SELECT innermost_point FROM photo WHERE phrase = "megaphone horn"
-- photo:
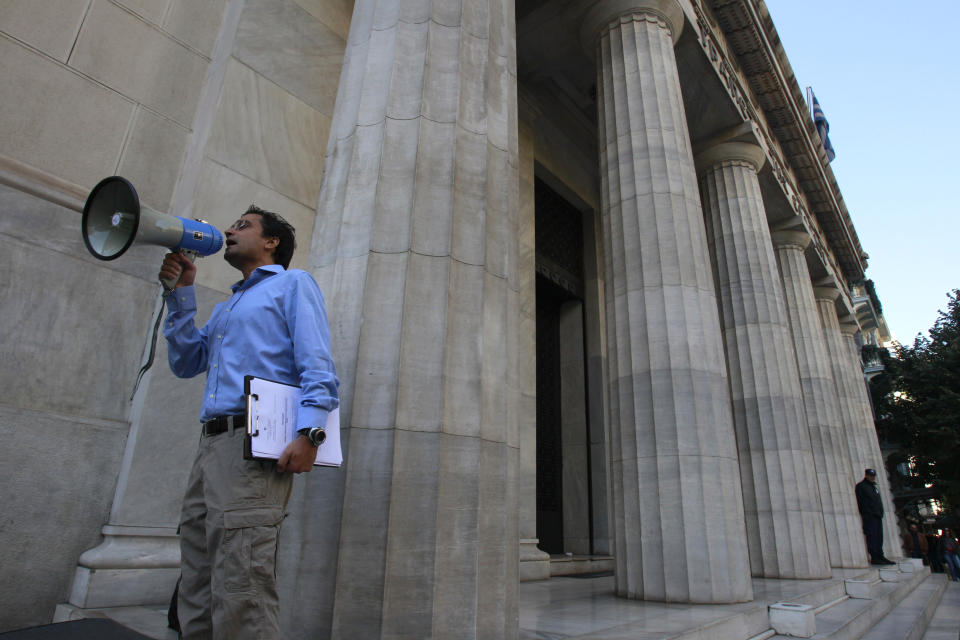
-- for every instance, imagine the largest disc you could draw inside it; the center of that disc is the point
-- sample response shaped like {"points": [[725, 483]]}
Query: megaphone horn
{"points": [[113, 221]]}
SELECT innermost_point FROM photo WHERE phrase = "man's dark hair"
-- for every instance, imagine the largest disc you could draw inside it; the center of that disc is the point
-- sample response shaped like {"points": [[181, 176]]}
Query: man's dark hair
{"points": [[274, 226]]}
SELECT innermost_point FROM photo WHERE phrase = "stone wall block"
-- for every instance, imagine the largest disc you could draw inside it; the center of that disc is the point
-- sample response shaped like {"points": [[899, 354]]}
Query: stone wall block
{"points": [[497, 221], [39, 567], [336, 14], [433, 191], [472, 105], [50, 26], [152, 158], [342, 286], [463, 399], [441, 84], [195, 23], [420, 381], [378, 358], [467, 243], [359, 202], [494, 424], [446, 12], [116, 48], [413, 11], [499, 77], [269, 135], [363, 542], [375, 94], [498, 564], [325, 245], [283, 42], [151, 11], [344, 118], [393, 213], [458, 552], [61, 122], [408, 72], [516, 349], [54, 337], [409, 596]]}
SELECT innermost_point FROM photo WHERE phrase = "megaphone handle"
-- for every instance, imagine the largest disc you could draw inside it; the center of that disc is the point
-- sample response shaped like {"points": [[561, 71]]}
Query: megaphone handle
{"points": [[170, 283]]}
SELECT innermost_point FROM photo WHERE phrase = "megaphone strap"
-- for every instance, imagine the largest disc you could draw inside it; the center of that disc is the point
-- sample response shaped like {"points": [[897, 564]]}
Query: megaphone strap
{"points": [[153, 343]]}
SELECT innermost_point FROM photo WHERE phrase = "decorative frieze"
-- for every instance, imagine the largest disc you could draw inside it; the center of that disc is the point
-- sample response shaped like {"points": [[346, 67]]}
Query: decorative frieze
{"points": [[715, 49]]}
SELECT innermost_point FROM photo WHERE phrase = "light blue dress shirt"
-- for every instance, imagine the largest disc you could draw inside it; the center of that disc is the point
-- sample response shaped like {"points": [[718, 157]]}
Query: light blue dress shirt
{"points": [[274, 326]]}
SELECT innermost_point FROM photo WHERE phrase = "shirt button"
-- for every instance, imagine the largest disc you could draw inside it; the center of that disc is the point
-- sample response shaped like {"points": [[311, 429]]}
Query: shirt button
{"points": [[220, 337], [211, 395], [214, 366]]}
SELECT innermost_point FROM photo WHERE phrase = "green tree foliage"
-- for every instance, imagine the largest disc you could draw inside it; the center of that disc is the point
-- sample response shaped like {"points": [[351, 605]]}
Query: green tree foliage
{"points": [[918, 406]]}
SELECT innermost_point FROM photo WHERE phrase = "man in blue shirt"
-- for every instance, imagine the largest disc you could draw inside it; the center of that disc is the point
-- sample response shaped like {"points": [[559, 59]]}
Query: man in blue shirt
{"points": [[274, 326]]}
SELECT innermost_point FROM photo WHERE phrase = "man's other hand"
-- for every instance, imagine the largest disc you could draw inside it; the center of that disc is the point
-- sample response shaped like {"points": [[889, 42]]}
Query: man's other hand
{"points": [[298, 456], [173, 264]]}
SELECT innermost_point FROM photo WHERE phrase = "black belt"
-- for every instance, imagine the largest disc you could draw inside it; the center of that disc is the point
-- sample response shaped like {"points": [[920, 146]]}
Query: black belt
{"points": [[222, 423]]}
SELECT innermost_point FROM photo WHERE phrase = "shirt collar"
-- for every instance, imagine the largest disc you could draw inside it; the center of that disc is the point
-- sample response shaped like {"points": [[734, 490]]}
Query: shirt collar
{"points": [[259, 274]]}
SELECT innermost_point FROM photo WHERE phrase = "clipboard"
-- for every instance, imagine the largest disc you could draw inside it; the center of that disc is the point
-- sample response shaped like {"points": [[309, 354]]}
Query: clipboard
{"points": [[272, 422]]}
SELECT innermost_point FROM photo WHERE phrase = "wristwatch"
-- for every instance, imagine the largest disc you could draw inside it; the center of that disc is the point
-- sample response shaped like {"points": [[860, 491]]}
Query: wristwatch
{"points": [[316, 435]]}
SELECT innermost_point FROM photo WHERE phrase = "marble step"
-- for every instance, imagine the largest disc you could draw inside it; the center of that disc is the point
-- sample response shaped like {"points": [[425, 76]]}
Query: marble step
{"points": [[852, 618], [910, 618], [945, 624]]}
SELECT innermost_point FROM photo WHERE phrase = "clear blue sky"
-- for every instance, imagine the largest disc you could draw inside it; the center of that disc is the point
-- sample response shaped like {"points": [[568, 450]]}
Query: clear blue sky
{"points": [[887, 76]]}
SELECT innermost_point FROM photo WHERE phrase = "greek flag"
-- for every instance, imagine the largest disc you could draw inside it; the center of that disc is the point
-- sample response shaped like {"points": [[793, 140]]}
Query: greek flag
{"points": [[823, 127]]}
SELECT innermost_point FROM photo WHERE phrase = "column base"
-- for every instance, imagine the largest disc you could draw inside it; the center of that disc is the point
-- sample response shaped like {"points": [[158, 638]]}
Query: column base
{"points": [[534, 563], [132, 566]]}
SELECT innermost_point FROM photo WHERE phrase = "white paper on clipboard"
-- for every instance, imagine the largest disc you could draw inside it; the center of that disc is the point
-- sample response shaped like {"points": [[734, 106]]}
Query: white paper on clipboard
{"points": [[272, 422]]}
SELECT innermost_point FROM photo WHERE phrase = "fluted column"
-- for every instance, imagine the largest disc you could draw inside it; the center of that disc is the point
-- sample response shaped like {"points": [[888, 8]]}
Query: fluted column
{"points": [[840, 516], [416, 246], [781, 497], [868, 454], [677, 507]]}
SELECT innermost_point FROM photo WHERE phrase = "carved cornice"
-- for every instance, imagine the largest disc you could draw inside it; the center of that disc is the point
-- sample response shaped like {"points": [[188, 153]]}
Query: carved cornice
{"points": [[762, 63]]}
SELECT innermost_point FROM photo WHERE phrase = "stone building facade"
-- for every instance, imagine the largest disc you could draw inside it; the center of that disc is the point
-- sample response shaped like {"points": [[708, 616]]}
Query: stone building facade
{"points": [[588, 273]]}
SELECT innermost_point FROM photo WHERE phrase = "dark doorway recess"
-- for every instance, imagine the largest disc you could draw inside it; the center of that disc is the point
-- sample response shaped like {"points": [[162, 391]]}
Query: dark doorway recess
{"points": [[559, 263]]}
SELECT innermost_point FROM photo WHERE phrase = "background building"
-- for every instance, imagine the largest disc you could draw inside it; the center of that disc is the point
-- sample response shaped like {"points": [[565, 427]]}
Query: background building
{"points": [[589, 275]]}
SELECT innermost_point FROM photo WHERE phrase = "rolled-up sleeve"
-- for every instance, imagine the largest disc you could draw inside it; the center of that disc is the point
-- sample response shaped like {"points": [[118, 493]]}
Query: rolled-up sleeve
{"points": [[310, 331], [186, 345]]}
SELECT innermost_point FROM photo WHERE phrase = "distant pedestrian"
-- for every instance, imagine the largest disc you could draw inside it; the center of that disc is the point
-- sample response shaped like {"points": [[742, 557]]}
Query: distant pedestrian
{"points": [[935, 544], [915, 543], [951, 554]]}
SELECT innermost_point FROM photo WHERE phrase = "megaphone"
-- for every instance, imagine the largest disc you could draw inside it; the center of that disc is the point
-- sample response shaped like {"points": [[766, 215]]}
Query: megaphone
{"points": [[113, 221]]}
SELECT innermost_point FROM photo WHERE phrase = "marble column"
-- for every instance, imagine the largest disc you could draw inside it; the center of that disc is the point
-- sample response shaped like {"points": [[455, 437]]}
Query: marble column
{"points": [[784, 518], [416, 242], [677, 507], [864, 431], [831, 460]]}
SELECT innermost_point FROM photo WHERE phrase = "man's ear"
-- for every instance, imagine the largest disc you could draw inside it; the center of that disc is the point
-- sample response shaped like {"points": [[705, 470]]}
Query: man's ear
{"points": [[272, 243]]}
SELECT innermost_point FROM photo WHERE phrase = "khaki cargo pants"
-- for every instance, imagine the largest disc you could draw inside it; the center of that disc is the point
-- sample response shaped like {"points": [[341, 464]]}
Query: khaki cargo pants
{"points": [[229, 529]]}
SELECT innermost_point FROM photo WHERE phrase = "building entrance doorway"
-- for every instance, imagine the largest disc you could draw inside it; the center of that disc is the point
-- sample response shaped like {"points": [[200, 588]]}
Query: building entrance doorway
{"points": [[564, 505]]}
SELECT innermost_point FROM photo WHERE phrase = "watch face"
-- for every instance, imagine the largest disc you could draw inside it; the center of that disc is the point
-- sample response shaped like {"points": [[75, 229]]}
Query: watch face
{"points": [[317, 436]]}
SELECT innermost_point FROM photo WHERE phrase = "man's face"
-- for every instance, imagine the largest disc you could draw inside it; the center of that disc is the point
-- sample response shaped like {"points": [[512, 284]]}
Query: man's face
{"points": [[245, 241], [871, 478]]}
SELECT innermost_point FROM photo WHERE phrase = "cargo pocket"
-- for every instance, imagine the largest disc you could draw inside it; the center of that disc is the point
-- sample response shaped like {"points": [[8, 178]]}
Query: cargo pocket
{"points": [[250, 547]]}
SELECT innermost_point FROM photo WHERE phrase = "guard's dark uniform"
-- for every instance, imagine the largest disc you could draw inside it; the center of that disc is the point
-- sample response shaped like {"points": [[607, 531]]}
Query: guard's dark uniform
{"points": [[871, 512]]}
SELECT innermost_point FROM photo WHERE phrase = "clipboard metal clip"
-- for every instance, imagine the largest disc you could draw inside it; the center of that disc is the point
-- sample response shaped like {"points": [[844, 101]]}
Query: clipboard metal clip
{"points": [[250, 430]]}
